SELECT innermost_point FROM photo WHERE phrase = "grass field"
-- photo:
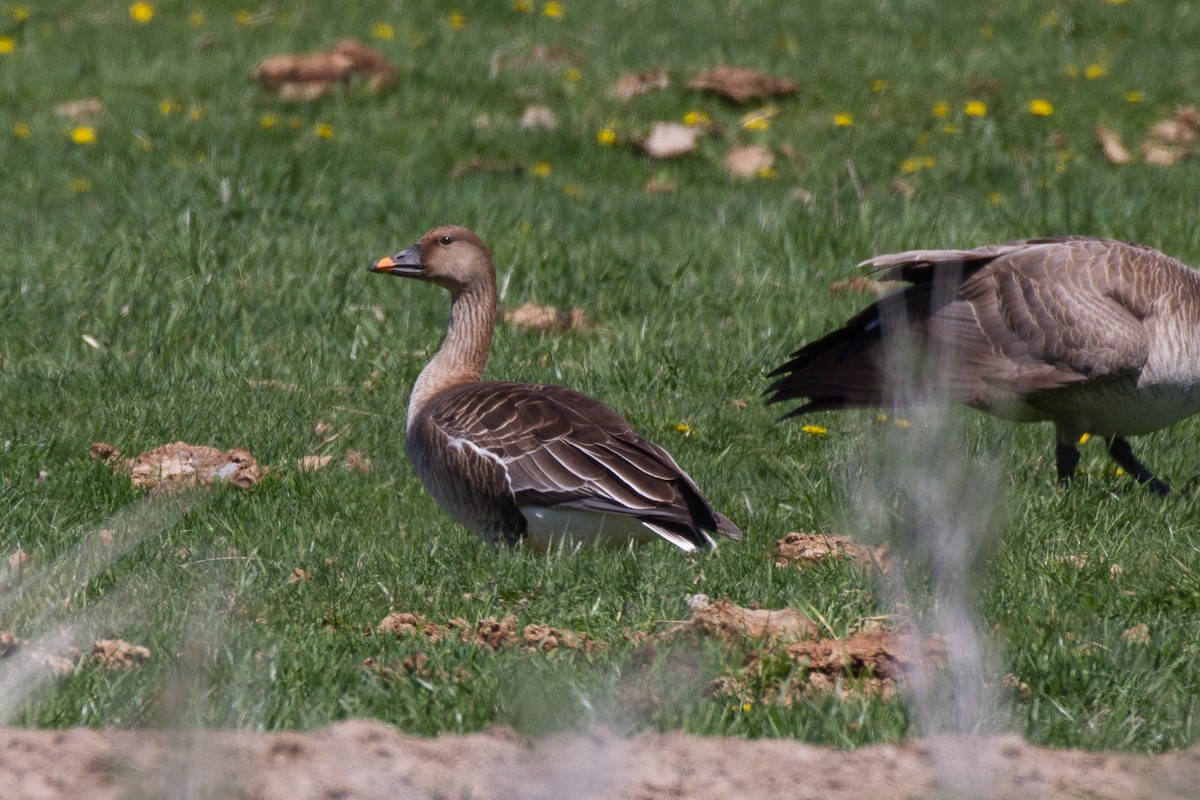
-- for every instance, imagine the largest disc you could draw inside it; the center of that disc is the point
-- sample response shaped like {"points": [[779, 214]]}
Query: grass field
{"points": [[194, 268]]}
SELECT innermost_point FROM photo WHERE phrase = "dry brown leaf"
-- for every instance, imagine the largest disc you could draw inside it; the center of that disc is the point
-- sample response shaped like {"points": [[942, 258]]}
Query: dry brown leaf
{"points": [[118, 654], [80, 111], [1174, 131], [670, 139], [740, 85], [299, 575], [1138, 634], [1162, 155], [544, 319], [1112, 145], [313, 463], [539, 118], [305, 76], [177, 464], [632, 84], [539, 55], [356, 461], [746, 162]]}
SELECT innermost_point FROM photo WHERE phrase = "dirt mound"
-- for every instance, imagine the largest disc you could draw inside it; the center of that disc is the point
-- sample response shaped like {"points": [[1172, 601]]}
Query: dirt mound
{"points": [[491, 633], [804, 549], [729, 621], [181, 464], [362, 760], [110, 653]]}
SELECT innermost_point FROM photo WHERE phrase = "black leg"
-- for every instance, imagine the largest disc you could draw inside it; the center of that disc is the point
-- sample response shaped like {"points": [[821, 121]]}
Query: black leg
{"points": [[1066, 456], [1122, 453]]}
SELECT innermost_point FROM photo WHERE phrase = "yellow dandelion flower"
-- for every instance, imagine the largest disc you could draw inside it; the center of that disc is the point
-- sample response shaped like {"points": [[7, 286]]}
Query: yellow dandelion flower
{"points": [[995, 199], [696, 118], [19, 13], [1040, 108], [950, 128], [606, 137], [843, 120], [79, 185], [572, 74], [986, 32], [243, 17], [573, 190], [197, 19], [927, 162], [1119, 472], [881, 417], [975, 108], [910, 166], [815, 430], [457, 20], [8, 45], [1116, 2], [384, 31], [141, 13], [1083, 438], [684, 428], [522, 6], [879, 85], [83, 135], [766, 173], [902, 423], [1135, 96], [167, 106], [268, 121], [1094, 71], [541, 169], [941, 110], [21, 130], [323, 130], [757, 124], [747, 706], [553, 10], [195, 113]]}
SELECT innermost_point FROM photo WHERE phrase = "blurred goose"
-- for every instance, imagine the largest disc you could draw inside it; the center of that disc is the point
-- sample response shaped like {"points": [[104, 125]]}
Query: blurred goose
{"points": [[1094, 335], [534, 463]]}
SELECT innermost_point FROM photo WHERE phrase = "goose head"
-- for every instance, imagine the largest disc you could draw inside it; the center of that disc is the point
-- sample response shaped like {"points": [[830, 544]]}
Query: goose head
{"points": [[450, 256]]}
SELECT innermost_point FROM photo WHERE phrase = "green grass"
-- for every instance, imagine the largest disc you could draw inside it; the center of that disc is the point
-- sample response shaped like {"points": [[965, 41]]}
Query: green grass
{"points": [[203, 250]]}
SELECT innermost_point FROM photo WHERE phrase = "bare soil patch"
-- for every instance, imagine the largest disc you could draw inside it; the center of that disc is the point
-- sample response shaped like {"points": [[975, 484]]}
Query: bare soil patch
{"points": [[363, 760]]}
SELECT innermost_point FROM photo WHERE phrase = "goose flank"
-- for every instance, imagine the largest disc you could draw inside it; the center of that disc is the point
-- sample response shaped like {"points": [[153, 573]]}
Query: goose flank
{"points": [[1093, 335], [537, 464]]}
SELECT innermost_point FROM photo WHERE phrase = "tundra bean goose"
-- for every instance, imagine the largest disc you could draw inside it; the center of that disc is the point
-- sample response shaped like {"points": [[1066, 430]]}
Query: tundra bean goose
{"points": [[535, 463], [1094, 335]]}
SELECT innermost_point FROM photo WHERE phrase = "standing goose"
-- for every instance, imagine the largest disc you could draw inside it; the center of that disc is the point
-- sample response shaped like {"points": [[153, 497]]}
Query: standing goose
{"points": [[534, 463], [1094, 335]]}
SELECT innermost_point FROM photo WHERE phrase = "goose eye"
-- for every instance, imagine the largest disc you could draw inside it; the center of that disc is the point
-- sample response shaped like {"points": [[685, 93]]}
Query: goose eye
{"points": [[445, 240]]}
